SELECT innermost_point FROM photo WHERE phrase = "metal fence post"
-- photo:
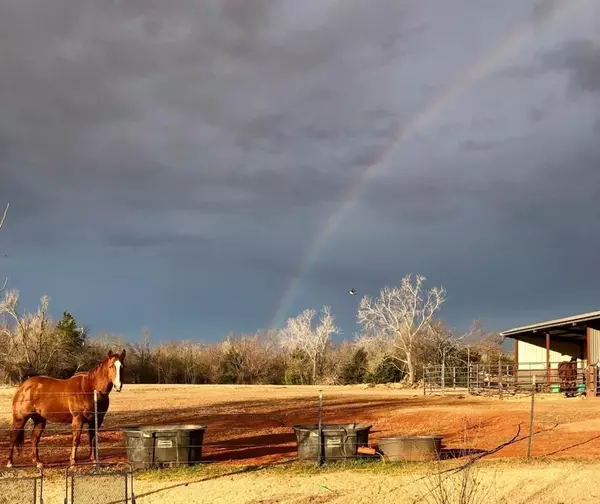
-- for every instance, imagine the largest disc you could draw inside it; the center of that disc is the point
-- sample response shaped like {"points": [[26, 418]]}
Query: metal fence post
{"points": [[319, 457], [500, 377], [531, 418], [469, 370], [443, 376], [96, 449]]}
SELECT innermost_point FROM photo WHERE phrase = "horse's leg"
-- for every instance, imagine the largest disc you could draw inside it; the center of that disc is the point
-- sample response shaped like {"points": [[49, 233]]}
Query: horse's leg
{"points": [[77, 426], [91, 436], [17, 436], [36, 434]]}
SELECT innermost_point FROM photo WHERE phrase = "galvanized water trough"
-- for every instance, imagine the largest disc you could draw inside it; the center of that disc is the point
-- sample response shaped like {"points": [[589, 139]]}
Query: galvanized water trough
{"points": [[163, 445], [338, 441], [411, 448]]}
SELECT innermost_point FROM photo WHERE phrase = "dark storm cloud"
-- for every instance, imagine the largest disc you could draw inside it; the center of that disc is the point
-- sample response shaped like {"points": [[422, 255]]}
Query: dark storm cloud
{"points": [[134, 240], [535, 114], [579, 58], [149, 104], [487, 145], [203, 146]]}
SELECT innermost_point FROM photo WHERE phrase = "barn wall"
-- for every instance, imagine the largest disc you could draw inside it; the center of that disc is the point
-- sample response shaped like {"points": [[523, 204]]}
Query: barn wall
{"points": [[594, 346], [532, 352]]}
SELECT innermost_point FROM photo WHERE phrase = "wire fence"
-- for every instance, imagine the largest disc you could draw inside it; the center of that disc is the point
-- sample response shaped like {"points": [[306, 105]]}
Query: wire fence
{"points": [[184, 430]]}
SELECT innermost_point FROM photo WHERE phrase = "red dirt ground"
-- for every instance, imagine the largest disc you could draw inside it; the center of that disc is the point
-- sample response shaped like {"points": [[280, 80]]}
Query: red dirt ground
{"points": [[253, 425]]}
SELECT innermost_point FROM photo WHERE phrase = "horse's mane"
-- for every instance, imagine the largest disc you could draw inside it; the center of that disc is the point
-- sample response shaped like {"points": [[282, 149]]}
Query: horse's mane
{"points": [[95, 369]]}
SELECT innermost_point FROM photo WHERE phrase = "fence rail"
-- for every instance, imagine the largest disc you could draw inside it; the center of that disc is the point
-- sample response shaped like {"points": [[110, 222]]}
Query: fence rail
{"points": [[504, 378]]}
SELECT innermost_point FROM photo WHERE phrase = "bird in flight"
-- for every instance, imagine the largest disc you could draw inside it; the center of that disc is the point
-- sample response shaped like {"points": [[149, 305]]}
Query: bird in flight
{"points": [[352, 292]]}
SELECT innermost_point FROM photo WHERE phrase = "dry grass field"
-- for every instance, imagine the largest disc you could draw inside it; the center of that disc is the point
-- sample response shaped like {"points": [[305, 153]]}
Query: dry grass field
{"points": [[249, 441]]}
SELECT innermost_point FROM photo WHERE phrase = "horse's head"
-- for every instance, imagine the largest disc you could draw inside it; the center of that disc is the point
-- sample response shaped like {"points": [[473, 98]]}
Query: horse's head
{"points": [[115, 366]]}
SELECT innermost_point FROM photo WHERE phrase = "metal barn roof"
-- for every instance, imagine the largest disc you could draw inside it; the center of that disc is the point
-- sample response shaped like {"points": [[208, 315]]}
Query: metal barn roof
{"points": [[550, 324]]}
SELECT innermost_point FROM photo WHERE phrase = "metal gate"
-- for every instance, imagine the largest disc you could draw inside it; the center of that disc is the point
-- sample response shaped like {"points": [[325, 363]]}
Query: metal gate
{"points": [[19, 487], [102, 484]]}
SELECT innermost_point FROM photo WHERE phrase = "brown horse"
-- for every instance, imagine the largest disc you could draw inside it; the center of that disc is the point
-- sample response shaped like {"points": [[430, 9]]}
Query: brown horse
{"points": [[44, 399], [567, 372]]}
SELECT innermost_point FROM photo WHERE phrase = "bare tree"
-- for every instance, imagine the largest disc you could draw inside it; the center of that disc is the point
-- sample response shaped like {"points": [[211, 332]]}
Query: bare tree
{"points": [[2, 224], [140, 355], [299, 333], [31, 336], [398, 317], [486, 346], [447, 342]]}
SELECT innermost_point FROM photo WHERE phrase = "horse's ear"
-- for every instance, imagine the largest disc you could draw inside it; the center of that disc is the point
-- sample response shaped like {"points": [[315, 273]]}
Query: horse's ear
{"points": [[123, 355], [110, 354]]}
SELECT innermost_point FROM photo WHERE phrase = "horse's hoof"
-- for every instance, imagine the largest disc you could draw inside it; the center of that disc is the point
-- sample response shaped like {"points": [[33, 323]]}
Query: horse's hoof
{"points": [[9, 464]]}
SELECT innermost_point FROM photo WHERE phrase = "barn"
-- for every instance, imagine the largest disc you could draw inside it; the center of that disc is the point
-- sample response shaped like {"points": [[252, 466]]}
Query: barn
{"points": [[540, 347]]}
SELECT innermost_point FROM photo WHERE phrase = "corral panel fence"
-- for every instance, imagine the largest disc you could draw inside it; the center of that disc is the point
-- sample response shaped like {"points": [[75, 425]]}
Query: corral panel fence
{"points": [[501, 378], [101, 484], [21, 486]]}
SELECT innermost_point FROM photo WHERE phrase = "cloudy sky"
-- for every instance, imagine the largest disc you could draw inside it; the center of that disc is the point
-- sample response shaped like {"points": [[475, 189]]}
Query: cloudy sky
{"points": [[205, 166]]}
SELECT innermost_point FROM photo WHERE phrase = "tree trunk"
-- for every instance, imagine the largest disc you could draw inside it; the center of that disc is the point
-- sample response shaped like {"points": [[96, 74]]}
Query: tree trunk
{"points": [[314, 370], [411, 368]]}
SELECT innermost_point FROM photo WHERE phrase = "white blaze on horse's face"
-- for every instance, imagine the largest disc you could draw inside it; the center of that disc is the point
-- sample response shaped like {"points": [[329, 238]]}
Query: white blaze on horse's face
{"points": [[117, 379]]}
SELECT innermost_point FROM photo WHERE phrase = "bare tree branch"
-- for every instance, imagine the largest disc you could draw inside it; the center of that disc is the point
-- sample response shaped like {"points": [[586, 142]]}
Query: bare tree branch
{"points": [[396, 319], [4, 215], [1, 224]]}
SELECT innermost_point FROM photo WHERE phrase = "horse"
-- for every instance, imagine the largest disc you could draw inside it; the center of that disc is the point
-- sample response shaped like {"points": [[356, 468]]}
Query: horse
{"points": [[567, 372], [43, 399]]}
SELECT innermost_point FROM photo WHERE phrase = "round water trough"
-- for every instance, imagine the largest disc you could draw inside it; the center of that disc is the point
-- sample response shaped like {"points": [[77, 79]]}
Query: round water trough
{"points": [[411, 448], [338, 441], [163, 445]]}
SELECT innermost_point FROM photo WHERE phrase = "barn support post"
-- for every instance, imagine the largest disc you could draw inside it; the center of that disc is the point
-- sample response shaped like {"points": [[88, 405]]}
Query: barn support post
{"points": [[516, 361], [590, 375], [548, 360]]}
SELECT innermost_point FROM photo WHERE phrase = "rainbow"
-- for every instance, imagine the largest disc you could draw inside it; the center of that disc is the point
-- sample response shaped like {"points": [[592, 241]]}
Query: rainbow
{"points": [[482, 67]]}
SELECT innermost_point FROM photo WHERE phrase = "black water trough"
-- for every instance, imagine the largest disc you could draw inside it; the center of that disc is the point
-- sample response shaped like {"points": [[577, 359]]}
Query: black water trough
{"points": [[338, 441], [163, 445], [411, 448]]}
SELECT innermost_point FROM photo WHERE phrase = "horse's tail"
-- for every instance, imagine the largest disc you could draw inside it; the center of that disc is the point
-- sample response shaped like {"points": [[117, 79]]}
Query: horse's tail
{"points": [[18, 420]]}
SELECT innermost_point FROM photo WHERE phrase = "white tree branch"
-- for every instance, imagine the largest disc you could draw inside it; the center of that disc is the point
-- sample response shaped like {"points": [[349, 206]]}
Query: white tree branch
{"points": [[300, 334], [1, 224], [398, 317]]}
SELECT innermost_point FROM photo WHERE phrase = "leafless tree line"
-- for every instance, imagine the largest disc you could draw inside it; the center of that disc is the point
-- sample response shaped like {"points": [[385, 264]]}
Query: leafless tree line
{"points": [[400, 335]]}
